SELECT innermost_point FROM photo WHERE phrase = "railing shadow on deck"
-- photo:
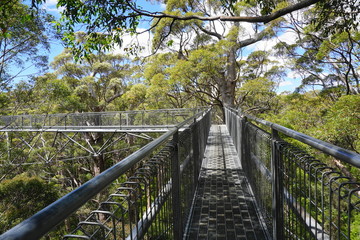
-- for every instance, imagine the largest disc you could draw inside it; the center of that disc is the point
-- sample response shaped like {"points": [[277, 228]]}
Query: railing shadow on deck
{"points": [[300, 196]]}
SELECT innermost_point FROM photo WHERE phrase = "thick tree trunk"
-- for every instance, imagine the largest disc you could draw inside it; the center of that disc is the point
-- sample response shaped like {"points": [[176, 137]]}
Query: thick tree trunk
{"points": [[99, 164], [231, 78], [227, 85]]}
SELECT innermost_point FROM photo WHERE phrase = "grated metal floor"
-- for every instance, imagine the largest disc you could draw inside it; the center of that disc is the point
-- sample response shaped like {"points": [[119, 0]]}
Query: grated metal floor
{"points": [[224, 207]]}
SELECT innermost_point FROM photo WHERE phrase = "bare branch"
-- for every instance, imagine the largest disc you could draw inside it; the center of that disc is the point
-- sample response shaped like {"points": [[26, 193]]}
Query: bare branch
{"points": [[257, 19]]}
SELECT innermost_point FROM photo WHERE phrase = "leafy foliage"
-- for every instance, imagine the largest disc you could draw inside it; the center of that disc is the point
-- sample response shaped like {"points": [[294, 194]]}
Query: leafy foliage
{"points": [[104, 21], [24, 35], [21, 191], [346, 12], [327, 61], [342, 123], [92, 86]]}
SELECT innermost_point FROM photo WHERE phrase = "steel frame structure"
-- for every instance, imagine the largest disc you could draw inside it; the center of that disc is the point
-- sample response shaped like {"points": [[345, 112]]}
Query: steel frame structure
{"points": [[133, 210], [53, 133]]}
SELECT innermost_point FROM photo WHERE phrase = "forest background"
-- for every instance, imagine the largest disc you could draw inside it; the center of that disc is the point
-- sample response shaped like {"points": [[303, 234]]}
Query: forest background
{"points": [[197, 53]]}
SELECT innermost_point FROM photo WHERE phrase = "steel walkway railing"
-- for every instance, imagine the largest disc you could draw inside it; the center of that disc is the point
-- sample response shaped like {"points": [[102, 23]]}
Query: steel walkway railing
{"points": [[154, 201], [98, 121], [300, 196]]}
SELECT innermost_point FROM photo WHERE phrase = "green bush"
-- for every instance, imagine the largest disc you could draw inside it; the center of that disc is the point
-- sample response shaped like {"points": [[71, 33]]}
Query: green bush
{"points": [[23, 196]]}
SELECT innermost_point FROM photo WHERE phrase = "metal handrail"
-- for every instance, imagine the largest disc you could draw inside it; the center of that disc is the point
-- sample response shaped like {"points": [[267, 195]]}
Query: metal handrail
{"points": [[308, 198], [46, 219], [335, 151], [106, 113], [168, 118]]}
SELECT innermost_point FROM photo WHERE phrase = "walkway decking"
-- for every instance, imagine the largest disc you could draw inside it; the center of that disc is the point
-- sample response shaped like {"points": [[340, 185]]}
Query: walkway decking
{"points": [[224, 206]]}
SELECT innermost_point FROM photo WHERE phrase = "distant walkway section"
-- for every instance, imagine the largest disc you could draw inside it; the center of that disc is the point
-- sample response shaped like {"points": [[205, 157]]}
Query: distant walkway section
{"points": [[224, 207]]}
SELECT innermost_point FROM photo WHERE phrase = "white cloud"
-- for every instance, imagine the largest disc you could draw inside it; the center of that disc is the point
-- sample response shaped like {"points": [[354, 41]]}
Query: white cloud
{"points": [[51, 6], [162, 6], [286, 83], [143, 40], [289, 85], [289, 37], [51, 2], [268, 44], [247, 30], [292, 74]]}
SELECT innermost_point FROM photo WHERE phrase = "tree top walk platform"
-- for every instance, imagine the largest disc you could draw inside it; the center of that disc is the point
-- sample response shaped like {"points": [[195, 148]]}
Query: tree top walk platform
{"points": [[201, 181]]}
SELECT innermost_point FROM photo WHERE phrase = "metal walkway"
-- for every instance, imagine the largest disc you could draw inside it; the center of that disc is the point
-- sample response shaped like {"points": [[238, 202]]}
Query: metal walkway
{"points": [[299, 196], [224, 206]]}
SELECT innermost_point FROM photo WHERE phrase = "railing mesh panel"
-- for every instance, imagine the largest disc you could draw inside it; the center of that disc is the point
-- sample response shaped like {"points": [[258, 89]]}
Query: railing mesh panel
{"points": [[257, 166], [128, 210], [98, 119], [321, 202], [142, 205], [305, 197]]}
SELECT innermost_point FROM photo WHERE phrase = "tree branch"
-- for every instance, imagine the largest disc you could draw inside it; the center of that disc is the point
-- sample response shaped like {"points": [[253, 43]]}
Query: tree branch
{"points": [[214, 34], [257, 19], [109, 100], [256, 38]]}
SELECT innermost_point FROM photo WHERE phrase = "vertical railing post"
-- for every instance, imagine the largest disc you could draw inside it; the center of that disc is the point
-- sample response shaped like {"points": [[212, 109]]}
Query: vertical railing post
{"points": [[195, 150], [167, 118], [120, 120], [236, 132], [277, 188], [176, 201], [8, 144], [243, 144], [226, 118], [238, 139]]}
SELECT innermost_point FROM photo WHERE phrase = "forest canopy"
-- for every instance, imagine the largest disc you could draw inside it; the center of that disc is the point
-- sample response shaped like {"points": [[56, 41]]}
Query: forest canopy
{"points": [[201, 53]]}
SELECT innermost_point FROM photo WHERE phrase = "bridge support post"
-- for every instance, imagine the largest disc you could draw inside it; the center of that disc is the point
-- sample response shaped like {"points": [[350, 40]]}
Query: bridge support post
{"points": [[277, 189], [176, 201]]}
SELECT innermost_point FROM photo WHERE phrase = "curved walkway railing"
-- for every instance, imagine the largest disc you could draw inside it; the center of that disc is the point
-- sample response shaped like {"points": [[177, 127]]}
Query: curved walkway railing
{"points": [[301, 196], [154, 201]]}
